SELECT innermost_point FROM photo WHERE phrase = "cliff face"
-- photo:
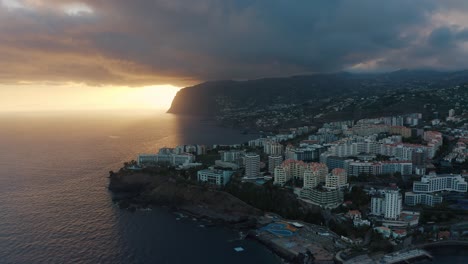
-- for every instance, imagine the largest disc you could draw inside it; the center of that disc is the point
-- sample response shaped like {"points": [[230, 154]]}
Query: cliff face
{"points": [[213, 98], [144, 189]]}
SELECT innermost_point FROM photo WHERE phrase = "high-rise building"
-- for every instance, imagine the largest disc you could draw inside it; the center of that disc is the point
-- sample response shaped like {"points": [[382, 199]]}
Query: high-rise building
{"points": [[314, 173], [273, 162], [336, 179], [387, 204], [252, 165], [397, 121], [311, 173], [320, 170], [281, 176], [233, 156], [377, 204], [273, 148], [393, 202], [311, 179]]}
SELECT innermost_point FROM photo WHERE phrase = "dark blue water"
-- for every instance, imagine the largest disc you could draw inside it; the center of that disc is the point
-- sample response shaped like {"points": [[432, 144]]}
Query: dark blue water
{"points": [[55, 208], [452, 255]]}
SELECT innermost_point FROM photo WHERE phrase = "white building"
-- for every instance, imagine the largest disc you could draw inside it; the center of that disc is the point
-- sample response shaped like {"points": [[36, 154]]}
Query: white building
{"points": [[393, 201], [280, 176], [257, 142], [388, 205], [252, 165], [216, 177], [336, 179], [391, 167], [273, 148], [428, 199], [171, 159], [311, 173], [233, 156], [311, 179], [426, 191], [377, 205], [437, 183]]}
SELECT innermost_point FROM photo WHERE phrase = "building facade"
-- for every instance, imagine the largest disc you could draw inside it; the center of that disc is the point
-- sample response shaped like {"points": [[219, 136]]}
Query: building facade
{"points": [[281, 176], [233, 156], [387, 204], [273, 162], [170, 159], [215, 177], [323, 198], [428, 199], [252, 165], [437, 183], [336, 179], [273, 148], [427, 190]]}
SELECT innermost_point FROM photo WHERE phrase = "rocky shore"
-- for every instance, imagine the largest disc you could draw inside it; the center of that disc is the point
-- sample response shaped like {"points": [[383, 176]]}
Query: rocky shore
{"points": [[133, 190]]}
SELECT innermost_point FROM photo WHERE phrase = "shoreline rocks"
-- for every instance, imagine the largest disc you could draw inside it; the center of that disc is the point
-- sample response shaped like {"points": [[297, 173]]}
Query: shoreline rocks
{"points": [[137, 190]]}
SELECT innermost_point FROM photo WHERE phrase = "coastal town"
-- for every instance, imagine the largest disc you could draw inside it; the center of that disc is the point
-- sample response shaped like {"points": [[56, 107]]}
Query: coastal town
{"points": [[375, 190]]}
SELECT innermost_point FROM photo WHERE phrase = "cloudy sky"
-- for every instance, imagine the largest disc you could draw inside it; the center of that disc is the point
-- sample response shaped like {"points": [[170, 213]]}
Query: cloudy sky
{"points": [[141, 43]]}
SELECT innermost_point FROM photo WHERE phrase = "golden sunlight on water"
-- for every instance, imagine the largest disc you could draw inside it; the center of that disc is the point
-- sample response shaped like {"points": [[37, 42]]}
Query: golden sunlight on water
{"points": [[42, 97]]}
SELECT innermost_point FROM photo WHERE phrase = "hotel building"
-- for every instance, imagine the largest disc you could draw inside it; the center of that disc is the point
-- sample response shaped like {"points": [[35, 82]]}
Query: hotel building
{"points": [[252, 165], [215, 177]]}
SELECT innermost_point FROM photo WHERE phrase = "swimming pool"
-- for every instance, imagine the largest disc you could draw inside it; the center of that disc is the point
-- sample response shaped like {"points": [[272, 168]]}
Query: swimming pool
{"points": [[279, 229]]}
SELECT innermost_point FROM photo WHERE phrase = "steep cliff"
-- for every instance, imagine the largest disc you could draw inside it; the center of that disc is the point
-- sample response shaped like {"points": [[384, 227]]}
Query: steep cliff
{"points": [[217, 97]]}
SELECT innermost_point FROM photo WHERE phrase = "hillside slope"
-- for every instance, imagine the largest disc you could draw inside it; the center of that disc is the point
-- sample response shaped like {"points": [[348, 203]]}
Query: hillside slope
{"points": [[220, 97]]}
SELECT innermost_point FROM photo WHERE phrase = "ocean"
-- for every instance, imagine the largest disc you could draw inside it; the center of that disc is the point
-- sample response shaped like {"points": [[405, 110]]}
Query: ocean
{"points": [[55, 206], [54, 202]]}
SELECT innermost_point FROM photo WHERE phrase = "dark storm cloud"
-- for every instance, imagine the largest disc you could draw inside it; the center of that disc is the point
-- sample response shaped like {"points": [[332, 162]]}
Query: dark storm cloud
{"points": [[180, 41]]}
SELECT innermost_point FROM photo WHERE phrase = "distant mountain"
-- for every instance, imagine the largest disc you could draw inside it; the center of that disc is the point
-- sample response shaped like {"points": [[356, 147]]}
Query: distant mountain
{"points": [[217, 97]]}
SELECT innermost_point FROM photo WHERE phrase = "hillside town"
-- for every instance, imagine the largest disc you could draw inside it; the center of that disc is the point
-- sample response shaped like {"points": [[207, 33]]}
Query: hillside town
{"points": [[395, 181], [409, 97]]}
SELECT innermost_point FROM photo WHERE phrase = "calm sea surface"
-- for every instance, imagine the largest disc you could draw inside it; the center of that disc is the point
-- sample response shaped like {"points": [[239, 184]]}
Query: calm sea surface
{"points": [[55, 208]]}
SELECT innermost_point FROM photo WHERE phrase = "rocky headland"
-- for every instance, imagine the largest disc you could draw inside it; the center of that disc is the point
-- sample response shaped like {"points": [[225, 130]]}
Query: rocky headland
{"points": [[164, 187]]}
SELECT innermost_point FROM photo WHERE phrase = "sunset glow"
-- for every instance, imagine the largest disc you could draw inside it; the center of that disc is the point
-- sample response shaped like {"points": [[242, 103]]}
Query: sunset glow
{"points": [[30, 97]]}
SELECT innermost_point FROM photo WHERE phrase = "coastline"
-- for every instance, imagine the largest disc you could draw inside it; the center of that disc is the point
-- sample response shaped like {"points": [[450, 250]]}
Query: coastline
{"points": [[134, 196], [136, 190], [284, 255], [133, 191]]}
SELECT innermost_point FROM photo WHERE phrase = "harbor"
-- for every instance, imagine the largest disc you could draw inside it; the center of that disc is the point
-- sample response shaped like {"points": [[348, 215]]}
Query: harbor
{"points": [[298, 241]]}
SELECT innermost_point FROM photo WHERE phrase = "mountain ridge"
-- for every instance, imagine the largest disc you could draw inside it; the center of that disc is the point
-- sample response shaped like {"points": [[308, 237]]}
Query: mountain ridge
{"points": [[217, 97]]}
